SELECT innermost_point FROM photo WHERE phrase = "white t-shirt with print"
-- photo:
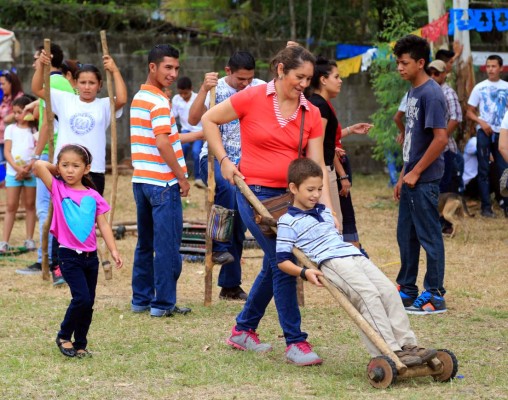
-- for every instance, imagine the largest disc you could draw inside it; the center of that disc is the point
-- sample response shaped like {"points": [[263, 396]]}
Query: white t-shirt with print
{"points": [[83, 123], [230, 132], [491, 99], [23, 145]]}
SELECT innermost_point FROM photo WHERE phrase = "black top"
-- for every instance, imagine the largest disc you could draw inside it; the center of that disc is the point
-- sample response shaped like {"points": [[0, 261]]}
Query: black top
{"points": [[331, 127]]}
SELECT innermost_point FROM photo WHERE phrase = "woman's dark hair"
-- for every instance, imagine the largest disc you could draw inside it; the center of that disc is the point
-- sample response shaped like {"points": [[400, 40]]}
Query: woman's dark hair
{"points": [[86, 157], [71, 66], [291, 57], [323, 68], [88, 68], [13, 79]]}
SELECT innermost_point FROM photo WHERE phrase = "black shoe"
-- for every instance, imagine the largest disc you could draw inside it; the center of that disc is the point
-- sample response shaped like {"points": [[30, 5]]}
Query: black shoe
{"points": [[222, 257], [65, 351], [235, 293], [34, 269], [181, 310], [488, 214]]}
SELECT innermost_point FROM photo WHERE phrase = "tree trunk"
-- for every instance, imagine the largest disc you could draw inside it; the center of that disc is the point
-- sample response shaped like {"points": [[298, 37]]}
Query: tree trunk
{"points": [[292, 21], [309, 24]]}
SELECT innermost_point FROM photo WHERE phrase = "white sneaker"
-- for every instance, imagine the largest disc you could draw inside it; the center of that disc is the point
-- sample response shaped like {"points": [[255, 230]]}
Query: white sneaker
{"points": [[200, 184], [4, 247], [30, 245]]}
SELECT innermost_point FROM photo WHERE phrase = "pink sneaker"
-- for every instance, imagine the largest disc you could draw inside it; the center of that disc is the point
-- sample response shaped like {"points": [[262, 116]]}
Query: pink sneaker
{"points": [[301, 354], [247, 340]]}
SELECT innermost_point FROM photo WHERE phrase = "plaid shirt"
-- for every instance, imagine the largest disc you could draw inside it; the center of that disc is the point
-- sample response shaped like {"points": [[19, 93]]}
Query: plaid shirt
{"points": [[453, 112]]}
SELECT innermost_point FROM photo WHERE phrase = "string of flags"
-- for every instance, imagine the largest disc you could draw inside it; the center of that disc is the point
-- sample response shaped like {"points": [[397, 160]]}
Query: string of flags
{"points": [[355, 58]]}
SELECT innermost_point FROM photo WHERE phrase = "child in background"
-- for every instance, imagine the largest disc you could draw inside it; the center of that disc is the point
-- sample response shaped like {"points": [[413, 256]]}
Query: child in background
{"points": [[309, 226], [77, 207], [19, 149]]}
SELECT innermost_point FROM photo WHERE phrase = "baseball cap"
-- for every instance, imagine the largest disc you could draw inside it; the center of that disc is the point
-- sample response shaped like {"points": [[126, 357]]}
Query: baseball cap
{"points": [[438, 65]]}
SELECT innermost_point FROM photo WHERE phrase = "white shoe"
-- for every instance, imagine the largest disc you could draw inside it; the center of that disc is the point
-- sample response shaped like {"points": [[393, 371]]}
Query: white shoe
{"points": [[200, 184], [30, 245]]}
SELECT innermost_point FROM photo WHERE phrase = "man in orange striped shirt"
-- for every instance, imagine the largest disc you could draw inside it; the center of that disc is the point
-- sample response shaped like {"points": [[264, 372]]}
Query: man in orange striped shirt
{"points": [[159, 179]]}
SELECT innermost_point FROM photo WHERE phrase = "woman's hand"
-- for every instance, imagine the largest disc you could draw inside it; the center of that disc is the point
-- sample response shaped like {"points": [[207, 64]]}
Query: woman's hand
{"points": [[228, 170], [117, 258], [361, 128], [340, 152], [346, 186]]}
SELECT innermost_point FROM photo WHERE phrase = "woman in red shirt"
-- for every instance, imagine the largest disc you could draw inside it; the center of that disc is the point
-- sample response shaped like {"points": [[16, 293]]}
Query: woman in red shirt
{"points": [[270, 117]]}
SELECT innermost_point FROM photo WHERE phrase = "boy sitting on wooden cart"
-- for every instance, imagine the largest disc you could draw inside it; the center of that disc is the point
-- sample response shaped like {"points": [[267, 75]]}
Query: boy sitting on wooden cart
{"points": [[309, 226]]}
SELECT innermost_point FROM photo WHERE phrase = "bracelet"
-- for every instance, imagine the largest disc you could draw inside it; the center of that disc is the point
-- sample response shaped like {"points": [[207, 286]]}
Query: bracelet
{"points": [[344, 177], [36, 157], [348, 130], [334, 213], [222, 159], [302, 273]]}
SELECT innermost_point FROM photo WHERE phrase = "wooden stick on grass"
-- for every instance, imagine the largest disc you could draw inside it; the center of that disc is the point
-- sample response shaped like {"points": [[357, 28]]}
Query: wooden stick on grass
{"points": [[106, 263], [51, 145], [209, 203]]}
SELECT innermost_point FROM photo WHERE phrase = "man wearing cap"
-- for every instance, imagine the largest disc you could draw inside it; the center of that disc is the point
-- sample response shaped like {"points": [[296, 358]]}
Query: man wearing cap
{"points": [[438, 72]]}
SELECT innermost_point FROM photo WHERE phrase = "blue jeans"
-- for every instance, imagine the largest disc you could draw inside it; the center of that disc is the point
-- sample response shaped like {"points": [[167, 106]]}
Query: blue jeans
{"points": [[230, 275], [485, 145], [196, 149], [418, 225], [80, 271], [271, 281], [42, 199], [445, 184], [160, 225]]}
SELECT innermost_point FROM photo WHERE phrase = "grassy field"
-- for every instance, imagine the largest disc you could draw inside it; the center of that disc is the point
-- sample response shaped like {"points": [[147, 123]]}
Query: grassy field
{"points": [[137, 357]]}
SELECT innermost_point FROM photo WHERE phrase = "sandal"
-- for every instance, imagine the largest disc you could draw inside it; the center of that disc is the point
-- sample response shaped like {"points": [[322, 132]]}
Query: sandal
{"points": [[82, 353], [69, 352]]}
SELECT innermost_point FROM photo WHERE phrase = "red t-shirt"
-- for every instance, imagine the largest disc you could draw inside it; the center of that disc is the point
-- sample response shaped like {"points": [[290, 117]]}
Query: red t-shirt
{"points": [[268, 148]]}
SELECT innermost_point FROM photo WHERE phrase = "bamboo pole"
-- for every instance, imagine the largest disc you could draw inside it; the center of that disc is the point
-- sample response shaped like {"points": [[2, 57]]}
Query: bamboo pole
{"points": [[106, 263], [50, 123], [209, 202], [353, 313]]}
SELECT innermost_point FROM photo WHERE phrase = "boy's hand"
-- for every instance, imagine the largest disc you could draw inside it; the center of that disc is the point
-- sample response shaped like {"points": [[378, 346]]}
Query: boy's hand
{"points": [[312, 276], [411, 178], [396, 190], [118, 259]]}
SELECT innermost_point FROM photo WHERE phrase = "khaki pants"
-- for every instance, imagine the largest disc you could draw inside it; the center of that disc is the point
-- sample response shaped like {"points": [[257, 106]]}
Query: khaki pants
{"points": [[374, 296], [334, 194]]}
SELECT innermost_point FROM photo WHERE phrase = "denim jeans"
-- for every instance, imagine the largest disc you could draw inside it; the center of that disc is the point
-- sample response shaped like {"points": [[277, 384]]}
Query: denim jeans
{"points": [[196, 149], [445, 184], [157, 261], [485, 145], [80, 271], [42, 199], [271, 281], [418, 225], [230, 275]]}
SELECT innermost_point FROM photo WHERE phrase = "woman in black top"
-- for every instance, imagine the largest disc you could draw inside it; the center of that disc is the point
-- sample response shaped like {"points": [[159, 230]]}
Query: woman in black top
{"points": [[326, 85]]}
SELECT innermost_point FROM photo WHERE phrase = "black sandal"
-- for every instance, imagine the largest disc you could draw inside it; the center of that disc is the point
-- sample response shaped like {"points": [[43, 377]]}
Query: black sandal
{"points": [[71, 352], [82, 353]]}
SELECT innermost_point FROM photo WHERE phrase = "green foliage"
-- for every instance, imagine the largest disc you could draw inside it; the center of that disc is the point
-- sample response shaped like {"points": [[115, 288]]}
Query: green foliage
{"points": [[388, 87]]}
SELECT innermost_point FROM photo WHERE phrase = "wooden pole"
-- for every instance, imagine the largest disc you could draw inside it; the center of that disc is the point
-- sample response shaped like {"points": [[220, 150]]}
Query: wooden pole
{"points": [[50, 123], [357, 318], [209, 202], [106, 263]]}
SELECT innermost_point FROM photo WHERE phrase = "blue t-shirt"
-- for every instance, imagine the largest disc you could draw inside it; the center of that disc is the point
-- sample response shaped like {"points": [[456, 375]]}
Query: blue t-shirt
{"points": [[426, 110]]}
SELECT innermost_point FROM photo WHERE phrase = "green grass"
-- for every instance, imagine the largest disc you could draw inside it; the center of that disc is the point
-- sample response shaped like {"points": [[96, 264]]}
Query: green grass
{"points": [[185, 357]]}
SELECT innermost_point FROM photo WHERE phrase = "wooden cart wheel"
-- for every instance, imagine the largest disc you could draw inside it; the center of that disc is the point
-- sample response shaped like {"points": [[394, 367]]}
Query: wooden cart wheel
{"points": [[450, 365], [381, 372]]}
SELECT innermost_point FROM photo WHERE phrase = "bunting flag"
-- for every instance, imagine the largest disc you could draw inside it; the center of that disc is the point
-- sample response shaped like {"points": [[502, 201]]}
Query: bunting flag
{"points": [[349, 50], [437, 28], [349, 66], [481, 20]]}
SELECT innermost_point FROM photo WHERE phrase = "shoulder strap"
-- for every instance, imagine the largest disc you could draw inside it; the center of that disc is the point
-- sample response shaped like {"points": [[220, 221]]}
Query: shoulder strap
{"points": [[301, 133]]}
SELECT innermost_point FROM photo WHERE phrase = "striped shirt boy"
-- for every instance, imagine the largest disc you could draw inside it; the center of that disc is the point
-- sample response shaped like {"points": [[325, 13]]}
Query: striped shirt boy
{"points": [[151, 116]]}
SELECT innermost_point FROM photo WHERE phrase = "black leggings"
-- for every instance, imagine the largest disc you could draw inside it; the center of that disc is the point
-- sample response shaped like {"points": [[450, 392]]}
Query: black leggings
{"points": [[349, 231]]}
